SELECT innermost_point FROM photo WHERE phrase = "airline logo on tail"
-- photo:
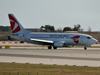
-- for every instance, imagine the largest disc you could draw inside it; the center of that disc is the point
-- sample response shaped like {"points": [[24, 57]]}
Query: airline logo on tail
{"points": [[75, 39], [14, 24]]}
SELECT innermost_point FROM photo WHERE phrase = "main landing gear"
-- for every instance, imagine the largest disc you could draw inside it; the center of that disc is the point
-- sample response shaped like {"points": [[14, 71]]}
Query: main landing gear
{"points": [[50, 47], [54, 47]]}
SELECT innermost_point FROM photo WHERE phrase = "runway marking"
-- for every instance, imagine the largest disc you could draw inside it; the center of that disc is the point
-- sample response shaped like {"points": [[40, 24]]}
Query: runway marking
{"points": [[51, 57]]}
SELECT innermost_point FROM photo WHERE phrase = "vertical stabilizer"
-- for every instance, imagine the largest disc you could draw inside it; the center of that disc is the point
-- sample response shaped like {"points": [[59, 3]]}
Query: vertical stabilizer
{"points": [[15, 25]]}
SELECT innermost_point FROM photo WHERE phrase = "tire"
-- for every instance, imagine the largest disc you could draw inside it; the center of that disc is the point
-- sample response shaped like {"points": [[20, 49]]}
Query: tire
{"points": [[54, 47], [49, 47]]}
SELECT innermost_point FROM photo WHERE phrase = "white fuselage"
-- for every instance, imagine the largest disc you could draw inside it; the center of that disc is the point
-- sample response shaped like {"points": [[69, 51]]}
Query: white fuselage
{"points": [[67, 38]]}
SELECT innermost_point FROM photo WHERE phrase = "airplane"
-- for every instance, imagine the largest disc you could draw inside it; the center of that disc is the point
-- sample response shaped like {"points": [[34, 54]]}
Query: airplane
{"points": [[54, 40]]}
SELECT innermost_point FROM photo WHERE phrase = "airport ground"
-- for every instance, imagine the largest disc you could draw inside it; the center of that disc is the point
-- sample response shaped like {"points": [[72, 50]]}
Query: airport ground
{"points": [[61, 56], [63, 61], [34, 54]]}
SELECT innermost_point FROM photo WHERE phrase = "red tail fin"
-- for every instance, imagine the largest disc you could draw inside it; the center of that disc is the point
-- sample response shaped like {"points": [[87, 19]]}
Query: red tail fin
{"points": [[15, 25]]}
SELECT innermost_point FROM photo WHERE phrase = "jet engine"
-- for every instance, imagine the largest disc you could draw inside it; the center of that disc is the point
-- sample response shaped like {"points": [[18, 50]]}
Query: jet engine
{"points": [[59, 44]]}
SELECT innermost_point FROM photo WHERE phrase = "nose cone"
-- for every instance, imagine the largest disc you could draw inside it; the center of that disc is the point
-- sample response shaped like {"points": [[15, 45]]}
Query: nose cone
{"points": [[94, 41]]}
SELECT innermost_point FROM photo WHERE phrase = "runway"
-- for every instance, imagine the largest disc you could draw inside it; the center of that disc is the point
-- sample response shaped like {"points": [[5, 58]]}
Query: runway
{"points": [[61, 56]]}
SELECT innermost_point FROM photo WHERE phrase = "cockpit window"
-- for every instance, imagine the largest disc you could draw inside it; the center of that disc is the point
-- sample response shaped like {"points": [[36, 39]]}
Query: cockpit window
{"points": [[88, 37]]}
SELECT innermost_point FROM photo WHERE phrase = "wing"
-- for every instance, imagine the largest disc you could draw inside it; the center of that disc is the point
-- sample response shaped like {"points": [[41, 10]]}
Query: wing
{"points": [[44, 41]]}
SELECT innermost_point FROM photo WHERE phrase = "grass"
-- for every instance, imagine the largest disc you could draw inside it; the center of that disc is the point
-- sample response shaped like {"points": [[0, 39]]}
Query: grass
{"points": [[33, 69]]}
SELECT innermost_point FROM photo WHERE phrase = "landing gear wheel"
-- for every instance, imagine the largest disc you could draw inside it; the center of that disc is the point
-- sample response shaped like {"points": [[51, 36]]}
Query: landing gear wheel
{"points": [[49, 47], [85, 48], [54, 47]]}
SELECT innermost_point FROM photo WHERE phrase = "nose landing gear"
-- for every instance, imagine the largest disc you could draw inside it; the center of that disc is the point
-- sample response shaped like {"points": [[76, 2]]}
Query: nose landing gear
{"points": [[85, 48]]}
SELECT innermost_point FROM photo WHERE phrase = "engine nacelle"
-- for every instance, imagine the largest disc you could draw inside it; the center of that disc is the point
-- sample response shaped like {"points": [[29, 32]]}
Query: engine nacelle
{"points": [[58, 44]]}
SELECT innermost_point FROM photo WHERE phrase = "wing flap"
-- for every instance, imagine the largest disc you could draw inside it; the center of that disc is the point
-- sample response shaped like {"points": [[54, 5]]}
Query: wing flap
{"points": [[40, 40]]}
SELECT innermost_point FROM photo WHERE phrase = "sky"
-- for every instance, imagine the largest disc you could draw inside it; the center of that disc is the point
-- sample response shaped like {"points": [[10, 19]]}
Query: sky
{"points": [[57, 13]]}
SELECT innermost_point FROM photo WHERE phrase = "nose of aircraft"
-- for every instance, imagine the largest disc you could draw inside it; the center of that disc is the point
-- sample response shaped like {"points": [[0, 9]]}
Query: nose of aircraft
{"points": [[94, 41]]}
